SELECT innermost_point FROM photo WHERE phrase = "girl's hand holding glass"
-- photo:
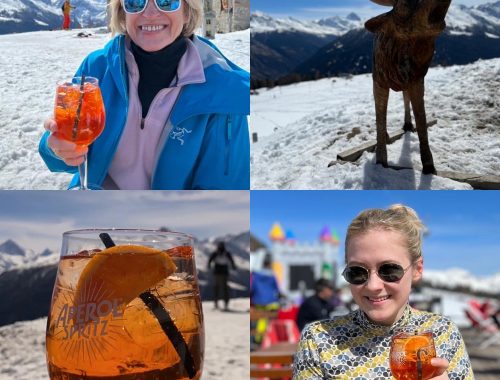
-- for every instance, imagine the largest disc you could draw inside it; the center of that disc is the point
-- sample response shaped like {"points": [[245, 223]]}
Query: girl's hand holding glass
{"points": [[440, 365]]}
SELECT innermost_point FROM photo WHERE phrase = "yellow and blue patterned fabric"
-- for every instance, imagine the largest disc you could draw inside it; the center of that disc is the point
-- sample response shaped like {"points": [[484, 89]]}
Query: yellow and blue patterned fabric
{"points": [[351, 347]]}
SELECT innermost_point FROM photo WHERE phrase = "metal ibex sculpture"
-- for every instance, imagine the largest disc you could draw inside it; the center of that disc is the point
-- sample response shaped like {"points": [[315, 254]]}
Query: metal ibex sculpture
{"points": [[402, 52]]}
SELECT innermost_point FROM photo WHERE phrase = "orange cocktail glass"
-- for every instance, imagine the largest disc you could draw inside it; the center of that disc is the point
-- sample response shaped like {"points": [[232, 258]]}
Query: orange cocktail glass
{"points": [[79, 114], [128, 312], [411, 354]]}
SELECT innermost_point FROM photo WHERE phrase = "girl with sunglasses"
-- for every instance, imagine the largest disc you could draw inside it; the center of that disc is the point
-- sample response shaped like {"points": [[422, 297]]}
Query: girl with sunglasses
{"points": [[176, 107], [383, 253]]}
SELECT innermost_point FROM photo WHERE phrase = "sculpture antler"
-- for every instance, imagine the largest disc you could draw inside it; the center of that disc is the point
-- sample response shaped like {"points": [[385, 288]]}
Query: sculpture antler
{"points": [[389, 3]]}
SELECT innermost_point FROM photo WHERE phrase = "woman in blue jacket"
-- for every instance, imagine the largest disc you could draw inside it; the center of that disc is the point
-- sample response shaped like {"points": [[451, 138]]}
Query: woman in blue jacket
{"points": [[176, 108]]}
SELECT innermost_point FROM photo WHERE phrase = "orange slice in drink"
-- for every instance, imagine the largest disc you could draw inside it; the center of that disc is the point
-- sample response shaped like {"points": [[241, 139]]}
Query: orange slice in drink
{"points": [[115, 276], [415, 343]]}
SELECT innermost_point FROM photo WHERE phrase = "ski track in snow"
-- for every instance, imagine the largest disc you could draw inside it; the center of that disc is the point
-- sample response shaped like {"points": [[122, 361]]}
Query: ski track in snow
{"points": [[302, 127], [30, 66]]}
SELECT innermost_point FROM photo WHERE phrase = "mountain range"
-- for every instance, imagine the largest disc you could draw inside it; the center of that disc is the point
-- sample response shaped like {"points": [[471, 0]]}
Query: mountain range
{"points": [[13, 256], [17, 16], [284, 48], [27, 278], [279, 45]]}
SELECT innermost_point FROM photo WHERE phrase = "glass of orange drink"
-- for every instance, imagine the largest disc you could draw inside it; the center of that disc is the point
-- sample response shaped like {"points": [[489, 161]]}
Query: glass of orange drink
{"points": [[125, 306], [411, 354], [79, 114]]}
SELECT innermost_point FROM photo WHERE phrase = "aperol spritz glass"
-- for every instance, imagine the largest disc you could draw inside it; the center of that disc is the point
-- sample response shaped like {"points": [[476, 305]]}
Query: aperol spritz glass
{"points": [[79, 114], [125, 306], [411, 354]]}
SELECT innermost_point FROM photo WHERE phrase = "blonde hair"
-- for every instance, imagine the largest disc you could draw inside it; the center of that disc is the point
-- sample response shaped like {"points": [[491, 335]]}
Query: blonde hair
{"points": [[398, 218], [193, 10]]}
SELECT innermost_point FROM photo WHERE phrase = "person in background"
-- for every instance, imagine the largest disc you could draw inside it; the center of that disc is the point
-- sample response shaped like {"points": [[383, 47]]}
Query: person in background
{"points": [[264, 290], [317, 307], [66, 8], [265, 296], [222, 260], [383, 255], [176, 107]]}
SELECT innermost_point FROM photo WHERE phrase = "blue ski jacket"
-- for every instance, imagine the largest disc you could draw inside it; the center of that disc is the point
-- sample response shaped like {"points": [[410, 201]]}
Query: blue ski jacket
{"points": [[216, 152]]}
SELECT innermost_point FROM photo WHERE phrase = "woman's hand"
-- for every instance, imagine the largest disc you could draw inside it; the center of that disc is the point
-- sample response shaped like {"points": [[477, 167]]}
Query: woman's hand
{"points": [[440, 365], [70, 153]]}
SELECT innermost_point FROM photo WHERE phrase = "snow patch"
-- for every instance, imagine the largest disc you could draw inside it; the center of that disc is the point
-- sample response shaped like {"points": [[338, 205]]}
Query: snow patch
{"points": [[31, 65], [302, 127]]}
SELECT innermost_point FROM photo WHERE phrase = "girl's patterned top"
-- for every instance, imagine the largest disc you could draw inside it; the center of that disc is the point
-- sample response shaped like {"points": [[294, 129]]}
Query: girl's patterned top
{"points": [[352, 347]]}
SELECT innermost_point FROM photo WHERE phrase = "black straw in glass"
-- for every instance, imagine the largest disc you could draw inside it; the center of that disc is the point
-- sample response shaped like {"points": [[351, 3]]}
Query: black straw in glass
{"points": [[166, 322]]}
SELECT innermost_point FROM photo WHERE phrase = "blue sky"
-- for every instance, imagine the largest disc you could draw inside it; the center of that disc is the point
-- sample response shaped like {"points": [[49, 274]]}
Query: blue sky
{"points": [[317, 9], [37, 219], [464, 225]]}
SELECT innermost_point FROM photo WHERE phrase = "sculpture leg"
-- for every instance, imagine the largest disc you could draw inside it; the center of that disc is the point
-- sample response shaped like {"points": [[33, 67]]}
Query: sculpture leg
{"points": [[408, 126], [381, 96], [416, 93]]}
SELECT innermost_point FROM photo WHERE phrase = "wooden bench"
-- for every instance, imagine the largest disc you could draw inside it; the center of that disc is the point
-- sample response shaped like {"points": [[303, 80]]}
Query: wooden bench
{"points": [[284, 370], [256, 314]]}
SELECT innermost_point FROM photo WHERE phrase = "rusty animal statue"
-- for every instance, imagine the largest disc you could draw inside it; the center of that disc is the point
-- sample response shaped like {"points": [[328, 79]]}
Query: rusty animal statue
{"points": [[402, 52]]}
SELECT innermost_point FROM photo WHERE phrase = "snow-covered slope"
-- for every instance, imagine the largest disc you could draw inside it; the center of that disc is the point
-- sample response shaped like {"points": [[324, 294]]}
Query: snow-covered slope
{"points": [[18, 16], [12, 256], [261, 23], [28, 283], [460, 18], [289, 50], [483, 18], [459, 277], [30, 66], [307, 124]]}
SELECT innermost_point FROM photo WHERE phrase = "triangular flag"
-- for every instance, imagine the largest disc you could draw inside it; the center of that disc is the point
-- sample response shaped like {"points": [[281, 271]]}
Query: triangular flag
{"points": [[276, 233], [325, 234]]}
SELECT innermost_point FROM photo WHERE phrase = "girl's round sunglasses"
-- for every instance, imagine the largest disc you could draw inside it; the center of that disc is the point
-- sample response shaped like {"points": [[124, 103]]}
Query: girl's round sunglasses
{"points": [[389, 272], [138, 6]]}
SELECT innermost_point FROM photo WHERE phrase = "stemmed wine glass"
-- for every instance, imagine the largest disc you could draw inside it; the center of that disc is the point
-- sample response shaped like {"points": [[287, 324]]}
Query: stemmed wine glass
{"points": [[79, 114]]}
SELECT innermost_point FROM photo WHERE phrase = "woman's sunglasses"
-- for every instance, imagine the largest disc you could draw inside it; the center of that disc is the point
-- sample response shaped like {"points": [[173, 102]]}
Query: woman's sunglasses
{"points": [[138, 6], [358, 275]]}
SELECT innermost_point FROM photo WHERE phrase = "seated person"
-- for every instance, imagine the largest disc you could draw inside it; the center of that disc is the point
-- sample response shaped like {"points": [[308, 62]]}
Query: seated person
{"points": [[318, 306]]}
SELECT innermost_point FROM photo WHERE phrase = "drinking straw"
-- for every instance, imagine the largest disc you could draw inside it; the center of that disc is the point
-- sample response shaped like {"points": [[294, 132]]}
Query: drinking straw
{"points": [[419, 364], [79, 108], [166, 322]]}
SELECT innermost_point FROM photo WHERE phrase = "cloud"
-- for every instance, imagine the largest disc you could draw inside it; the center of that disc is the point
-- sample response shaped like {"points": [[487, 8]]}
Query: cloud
{"points": [[37, 219]]}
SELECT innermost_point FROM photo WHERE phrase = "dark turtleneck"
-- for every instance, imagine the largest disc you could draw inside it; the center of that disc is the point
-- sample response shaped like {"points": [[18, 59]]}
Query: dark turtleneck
{"points": [[157, 69]]}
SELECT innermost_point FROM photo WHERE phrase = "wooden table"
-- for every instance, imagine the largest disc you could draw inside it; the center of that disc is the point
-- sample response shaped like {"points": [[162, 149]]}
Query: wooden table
{"points": [[278, 354]]}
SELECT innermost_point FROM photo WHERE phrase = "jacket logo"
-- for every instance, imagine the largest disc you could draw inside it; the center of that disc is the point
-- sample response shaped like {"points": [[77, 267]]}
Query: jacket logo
{"points": [[178, 134]]}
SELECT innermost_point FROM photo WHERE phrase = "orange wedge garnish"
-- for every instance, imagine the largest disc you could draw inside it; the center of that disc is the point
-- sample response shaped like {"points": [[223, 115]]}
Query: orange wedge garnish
{"points": [[414, 343], [117, 275]]}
